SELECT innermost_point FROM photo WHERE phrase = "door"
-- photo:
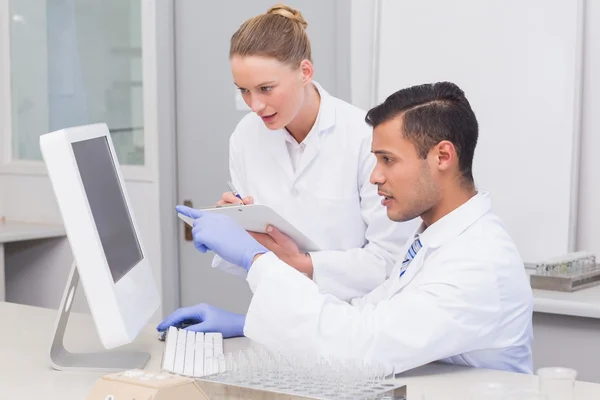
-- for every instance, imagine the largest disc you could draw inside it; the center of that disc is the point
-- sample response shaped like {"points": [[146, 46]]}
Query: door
{"points": [[207, 115]]}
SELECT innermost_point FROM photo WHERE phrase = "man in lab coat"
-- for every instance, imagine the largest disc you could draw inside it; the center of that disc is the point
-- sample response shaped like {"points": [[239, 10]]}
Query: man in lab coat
{"points": [[459, 295]]}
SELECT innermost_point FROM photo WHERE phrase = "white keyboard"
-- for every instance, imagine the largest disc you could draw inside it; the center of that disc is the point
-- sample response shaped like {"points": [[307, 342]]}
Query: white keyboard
{"points": [[191, 353]]}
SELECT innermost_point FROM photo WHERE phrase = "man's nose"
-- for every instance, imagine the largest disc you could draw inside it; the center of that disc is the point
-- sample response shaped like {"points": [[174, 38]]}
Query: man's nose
{"points": [[376, 177]]}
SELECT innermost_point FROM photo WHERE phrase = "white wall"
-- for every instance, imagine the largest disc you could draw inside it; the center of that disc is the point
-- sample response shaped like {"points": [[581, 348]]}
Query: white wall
{"points": [[589, 201], [361, 52], [589, 193]]}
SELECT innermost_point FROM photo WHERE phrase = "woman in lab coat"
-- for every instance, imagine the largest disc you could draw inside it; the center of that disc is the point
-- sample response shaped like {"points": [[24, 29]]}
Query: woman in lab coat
{"points": [[307, 155], [459, 295]]}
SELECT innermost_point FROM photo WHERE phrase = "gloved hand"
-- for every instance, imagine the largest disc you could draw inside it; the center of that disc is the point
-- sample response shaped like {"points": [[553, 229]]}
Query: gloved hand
{"points": [[207, 318], [222, 235]]}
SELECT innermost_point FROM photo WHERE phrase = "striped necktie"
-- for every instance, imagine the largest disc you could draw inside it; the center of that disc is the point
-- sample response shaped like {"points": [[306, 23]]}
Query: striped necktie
{"points": [[410, 254]]}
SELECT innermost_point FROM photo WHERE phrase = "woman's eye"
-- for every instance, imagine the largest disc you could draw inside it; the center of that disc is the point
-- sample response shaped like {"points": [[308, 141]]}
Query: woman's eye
{"points": [[243, 90], [266, 88]]}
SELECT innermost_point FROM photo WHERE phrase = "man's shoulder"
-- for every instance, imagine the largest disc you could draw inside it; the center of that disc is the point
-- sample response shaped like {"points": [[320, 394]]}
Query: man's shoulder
{"points": [[485, 242], [483, 263]]}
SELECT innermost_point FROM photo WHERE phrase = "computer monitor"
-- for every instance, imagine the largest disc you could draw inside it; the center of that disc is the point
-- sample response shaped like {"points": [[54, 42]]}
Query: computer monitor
{"points": [[108, 252]]}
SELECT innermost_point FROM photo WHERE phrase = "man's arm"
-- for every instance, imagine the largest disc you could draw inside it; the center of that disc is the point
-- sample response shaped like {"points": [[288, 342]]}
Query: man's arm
{"points": [[415, 327]]}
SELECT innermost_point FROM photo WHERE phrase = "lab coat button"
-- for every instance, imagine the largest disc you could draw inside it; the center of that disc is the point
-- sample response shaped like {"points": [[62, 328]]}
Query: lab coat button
{"points": [[294, 192]]}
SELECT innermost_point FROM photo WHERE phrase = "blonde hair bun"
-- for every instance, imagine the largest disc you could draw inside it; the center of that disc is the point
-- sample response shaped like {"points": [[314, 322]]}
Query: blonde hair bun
{"points": [[279, 33], [288, 12]]}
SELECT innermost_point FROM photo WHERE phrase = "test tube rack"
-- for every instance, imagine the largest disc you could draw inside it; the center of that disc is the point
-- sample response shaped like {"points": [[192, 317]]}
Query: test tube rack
{"points": [[298, 376], [222, 390], [568, 273]]}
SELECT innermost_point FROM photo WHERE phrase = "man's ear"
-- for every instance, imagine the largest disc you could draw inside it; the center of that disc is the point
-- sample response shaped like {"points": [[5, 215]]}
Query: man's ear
{"points": [[446, 155], [307, 71]]}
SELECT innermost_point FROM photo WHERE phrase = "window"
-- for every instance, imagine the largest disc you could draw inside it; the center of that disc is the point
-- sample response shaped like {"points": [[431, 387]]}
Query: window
{"points": [[75, 62]]}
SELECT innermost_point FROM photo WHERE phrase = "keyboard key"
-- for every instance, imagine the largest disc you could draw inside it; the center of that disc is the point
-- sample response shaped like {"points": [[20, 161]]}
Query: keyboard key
{"points": [[180, 352], [217, 342], [169, 352], [199, 355], [191, 353], [188, 367]]}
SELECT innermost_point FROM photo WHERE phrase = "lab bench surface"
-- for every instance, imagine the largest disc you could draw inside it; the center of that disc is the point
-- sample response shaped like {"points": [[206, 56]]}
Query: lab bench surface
{"points": [[581, 303], [13, 231], [26, 373]]}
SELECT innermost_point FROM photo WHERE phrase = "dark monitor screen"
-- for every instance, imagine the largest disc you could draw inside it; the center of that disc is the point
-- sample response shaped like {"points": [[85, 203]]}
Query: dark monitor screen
{"points": [[107, 202]]}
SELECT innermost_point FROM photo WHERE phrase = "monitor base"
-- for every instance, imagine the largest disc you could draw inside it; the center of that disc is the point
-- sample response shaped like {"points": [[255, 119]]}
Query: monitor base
{"points": [[63, 360]]}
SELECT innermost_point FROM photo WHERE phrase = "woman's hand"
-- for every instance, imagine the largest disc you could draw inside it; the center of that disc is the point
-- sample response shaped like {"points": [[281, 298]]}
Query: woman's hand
{"points": [[230, 198]]}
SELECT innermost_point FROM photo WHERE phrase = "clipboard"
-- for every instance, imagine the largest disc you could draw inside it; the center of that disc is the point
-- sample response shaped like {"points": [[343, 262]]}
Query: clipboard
{"points": [[255, 218]]}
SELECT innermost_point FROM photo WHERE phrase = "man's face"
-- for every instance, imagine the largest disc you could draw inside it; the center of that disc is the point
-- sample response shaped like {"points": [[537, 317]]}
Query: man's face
{"points": [[406, 182]]}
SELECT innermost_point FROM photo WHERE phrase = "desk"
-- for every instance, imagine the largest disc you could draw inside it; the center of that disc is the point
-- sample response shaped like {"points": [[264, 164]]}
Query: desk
{"points": [[11, 231], [26, 374], [569, 324], [582, 303]]}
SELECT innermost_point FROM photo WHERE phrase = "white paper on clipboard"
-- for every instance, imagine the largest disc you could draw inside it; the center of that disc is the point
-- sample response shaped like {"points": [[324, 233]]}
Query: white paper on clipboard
{"points": [[256, 217]]}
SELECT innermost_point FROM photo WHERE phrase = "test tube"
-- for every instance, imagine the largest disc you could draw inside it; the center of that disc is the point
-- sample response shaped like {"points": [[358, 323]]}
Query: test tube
{"points": [[556, 382]]}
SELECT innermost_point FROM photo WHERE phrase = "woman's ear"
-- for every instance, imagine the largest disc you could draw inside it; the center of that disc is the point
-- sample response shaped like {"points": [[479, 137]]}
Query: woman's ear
{"points": [[307, 71]]}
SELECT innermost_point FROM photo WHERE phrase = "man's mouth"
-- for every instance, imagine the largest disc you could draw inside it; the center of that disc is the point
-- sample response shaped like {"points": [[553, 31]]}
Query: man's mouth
{"points": [[385, 195]]}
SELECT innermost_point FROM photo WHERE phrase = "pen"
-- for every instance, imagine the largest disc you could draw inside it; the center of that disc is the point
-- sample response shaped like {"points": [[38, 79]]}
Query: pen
{"points": [[234, 191]]}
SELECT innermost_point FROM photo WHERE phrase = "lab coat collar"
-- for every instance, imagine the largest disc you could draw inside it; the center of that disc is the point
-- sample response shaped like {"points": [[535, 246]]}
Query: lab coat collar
{"points": [[448, 227], [325, 121], [454, 223], [325, 118], [327, 111]]}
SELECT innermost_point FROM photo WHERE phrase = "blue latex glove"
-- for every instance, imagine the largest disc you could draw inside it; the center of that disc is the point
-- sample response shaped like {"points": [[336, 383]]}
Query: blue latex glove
{"points": [[224, 236], [206, 318]]}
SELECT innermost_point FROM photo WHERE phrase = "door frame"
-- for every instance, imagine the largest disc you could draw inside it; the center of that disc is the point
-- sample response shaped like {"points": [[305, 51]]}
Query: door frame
{"points": [[163, 36]]}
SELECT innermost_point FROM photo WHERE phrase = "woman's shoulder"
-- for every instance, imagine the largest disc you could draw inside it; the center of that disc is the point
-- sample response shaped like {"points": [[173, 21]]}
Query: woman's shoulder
{"points": [[351, 110], [351, 118], [347, 110]]}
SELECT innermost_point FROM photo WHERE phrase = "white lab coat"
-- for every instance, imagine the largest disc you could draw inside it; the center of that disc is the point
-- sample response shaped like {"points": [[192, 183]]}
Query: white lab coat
{"points": [[464, 299], [327, 196]]}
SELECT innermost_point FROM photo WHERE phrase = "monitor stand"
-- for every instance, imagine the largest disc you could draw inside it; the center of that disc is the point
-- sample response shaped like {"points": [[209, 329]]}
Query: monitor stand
{"points": [[108, 361]]}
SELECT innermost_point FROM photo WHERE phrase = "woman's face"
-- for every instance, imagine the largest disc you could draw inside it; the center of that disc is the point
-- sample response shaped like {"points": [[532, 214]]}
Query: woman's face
{"points": [[272, 89]]}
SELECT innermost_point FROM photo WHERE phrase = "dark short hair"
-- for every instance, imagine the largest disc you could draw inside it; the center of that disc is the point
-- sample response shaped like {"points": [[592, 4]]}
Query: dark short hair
{"points": [[432, 113]]}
